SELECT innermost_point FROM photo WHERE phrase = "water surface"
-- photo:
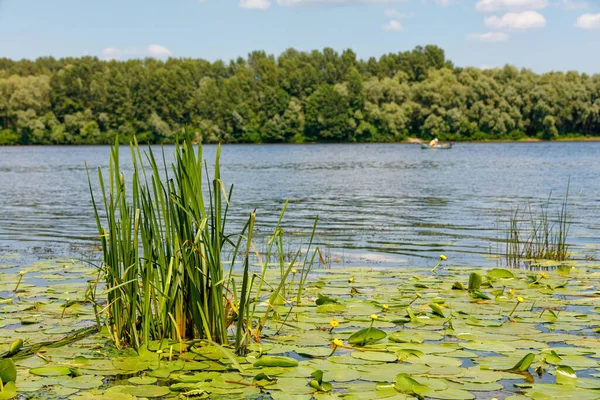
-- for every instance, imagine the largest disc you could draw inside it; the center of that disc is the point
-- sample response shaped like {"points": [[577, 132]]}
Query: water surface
{"points": [[388, 204]]}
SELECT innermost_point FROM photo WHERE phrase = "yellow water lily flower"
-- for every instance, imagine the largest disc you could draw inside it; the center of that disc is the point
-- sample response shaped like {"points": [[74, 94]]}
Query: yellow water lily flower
{"points": [[67, 299], [21, 273], [374, 316], [334, 323], [419, 295], [386, 307], [338, 342], [350, 280], [543, 274], [294, 271], [511, 291], [520, 299], [443, 257]]}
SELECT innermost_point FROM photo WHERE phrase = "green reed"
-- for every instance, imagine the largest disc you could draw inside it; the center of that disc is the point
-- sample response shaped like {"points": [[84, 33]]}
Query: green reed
{"points": [[534, 235], [163, 243]]}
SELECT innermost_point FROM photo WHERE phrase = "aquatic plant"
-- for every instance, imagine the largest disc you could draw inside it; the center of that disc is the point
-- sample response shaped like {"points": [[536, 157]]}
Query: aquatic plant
{"points": [[163, 242], [535, 236]]}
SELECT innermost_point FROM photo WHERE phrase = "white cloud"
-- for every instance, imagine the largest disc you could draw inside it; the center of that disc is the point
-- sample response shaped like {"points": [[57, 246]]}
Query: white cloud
{"points": [[487, 66], [158, 50], [501, 5], [392, 26], [575, 5], [299, 3], [153, 50], [517, 21], [255, 4], [588, 21], [395, 14], [492, 37]]}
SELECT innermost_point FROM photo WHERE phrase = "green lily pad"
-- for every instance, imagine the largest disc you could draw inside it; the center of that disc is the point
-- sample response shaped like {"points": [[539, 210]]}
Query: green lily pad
{"points": [[51, 371], [275, 361], [366, 336], [8, 370], [565, 375], [375, 356]]}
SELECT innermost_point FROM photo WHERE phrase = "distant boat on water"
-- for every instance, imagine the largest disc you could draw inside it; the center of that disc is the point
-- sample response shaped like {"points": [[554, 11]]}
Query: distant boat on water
{"points": [[443, 146]]}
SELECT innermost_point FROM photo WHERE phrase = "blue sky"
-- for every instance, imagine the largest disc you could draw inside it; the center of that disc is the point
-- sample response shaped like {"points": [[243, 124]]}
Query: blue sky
{"points": [[542, 35]]}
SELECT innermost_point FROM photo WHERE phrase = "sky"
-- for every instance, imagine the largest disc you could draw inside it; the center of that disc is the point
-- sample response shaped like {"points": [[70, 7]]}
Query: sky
{"points": [[543, 35]]}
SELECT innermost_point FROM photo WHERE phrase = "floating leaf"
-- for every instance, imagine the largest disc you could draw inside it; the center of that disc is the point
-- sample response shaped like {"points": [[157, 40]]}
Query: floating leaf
{"points": [[318, 384], [8, 370], [324, 300], [275, 361], [524, 364], [9, 391], [366, 336], [375, 356], [437, 310], [145, 390], [142, 380], [263, 380], [565, 375], [407, 385], [51, 371], [500, 273]]}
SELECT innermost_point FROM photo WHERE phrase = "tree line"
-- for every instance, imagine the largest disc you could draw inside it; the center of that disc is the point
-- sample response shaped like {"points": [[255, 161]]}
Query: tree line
{"points": [[318, 96]]}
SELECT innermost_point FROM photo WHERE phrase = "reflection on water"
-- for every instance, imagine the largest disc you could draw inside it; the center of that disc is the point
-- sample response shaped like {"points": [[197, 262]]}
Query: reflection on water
{"points": [[378, 204]]}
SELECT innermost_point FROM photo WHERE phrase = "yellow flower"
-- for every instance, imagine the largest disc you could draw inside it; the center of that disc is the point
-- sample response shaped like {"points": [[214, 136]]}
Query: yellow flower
{"points": [[21, 272], [67, 299], [294, 271], [334, 323], [419, 295], [386, 307], [338, 342], [520, 299], [443, 257], [511, 291], [350, 280], [544, 275], [374, 316]]}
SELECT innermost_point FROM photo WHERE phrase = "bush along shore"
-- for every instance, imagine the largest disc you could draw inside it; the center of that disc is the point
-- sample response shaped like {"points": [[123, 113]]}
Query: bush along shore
{"points": [[318, 96], [182, 307]]}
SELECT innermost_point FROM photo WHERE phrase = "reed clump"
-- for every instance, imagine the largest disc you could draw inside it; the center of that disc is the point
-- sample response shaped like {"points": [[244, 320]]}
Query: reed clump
{"points": [[163, 237], [534, 234]]}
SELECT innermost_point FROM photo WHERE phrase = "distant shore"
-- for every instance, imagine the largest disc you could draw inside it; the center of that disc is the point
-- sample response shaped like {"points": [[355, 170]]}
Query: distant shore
{"points": [[410, 140]]}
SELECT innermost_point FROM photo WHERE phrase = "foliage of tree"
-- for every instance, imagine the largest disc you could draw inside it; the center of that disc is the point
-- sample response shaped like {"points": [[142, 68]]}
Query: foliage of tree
{"points": [[296, 97]]}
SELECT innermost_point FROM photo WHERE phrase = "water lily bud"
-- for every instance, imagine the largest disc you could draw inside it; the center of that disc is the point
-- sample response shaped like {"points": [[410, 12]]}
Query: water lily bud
{"points": [[67, 299], [374, 316], [21, 273], [334, 323], [294, 271], [350, 280], [520, 299], [443, 257], [338, 342], [419, 295], [544, 275], [386, 307]]}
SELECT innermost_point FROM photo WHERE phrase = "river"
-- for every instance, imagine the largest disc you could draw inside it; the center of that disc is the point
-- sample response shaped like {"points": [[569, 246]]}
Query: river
{"points": [[378, 204]]}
